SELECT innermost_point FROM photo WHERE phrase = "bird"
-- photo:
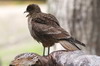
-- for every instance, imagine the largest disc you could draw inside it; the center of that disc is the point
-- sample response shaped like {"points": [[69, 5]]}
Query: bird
{"points": [[45, 28]]}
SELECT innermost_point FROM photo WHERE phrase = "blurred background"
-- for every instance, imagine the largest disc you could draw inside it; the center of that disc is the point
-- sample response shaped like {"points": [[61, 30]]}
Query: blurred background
{"points": [[14, 34], [81, 18]]}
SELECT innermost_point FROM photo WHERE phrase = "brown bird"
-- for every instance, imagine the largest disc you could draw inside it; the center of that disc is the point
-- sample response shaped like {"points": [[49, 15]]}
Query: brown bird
{"points": [[45, 28]]}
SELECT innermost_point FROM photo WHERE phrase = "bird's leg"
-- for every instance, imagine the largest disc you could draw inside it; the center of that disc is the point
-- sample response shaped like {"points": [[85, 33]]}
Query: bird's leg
{"points": [[48, 50], [44, 51]]}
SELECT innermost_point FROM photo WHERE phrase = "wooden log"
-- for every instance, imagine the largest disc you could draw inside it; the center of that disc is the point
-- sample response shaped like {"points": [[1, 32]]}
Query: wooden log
{"points": [[57, 58]]}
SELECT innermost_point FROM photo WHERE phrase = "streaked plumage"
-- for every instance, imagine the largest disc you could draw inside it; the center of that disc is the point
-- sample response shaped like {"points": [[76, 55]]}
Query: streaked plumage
{"points": [[45, 28]]}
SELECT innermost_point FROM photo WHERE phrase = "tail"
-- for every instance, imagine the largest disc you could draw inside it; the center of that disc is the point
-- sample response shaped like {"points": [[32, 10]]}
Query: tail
{"points": [[74, 41], [70, 44]]}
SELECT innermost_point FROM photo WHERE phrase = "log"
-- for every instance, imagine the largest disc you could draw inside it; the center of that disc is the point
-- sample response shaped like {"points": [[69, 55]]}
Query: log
{"points": [[56, 58]]}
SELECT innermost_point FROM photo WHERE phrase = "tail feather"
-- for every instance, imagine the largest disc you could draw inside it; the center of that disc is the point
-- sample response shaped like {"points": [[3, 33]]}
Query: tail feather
{"points": [[70, 44], [73, 40], [74, 44]]}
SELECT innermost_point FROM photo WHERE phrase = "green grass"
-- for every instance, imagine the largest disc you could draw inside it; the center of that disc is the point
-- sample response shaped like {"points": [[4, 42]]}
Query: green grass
{"points": [[7, 54]]}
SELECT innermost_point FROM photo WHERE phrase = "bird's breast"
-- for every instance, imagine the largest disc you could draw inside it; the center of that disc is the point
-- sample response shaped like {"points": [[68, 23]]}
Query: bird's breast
{"points": [[32, 32], [29, 24]]}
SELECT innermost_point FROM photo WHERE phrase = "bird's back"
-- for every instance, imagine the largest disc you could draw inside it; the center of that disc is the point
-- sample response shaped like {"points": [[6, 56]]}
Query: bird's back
{"points": [[40, 22], [45, 28]]}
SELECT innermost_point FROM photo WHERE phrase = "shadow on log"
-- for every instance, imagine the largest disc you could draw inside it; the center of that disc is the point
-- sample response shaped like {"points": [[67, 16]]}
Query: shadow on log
{"points": [[57, 58]]}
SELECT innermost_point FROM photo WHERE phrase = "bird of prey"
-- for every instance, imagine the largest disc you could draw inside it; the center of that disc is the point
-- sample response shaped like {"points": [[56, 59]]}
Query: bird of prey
{"points": [[45, 28]]}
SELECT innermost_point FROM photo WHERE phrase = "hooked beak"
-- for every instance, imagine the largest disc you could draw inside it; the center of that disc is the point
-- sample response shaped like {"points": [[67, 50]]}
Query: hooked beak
{"points": [[25, 11]]}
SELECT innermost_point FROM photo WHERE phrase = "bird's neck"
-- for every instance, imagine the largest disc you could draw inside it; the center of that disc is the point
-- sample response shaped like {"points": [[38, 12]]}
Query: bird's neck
{"points": [[31, 14]]}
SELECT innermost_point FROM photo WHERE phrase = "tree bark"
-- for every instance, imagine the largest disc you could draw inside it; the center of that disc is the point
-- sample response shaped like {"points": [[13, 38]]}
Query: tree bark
{"points": [[96, 23], [81, 19]]}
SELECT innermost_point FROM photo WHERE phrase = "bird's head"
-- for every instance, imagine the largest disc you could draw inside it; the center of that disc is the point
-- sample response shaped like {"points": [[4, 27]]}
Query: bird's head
{"points": [[33, 8]]}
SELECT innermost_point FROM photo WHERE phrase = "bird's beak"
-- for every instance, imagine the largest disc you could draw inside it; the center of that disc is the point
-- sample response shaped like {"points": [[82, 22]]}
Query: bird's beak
{"points": [[25, 11], [27, 15]]}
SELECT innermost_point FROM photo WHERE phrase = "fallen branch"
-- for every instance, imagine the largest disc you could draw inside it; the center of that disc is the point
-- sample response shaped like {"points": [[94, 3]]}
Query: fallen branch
{"points": [[57, 58]]}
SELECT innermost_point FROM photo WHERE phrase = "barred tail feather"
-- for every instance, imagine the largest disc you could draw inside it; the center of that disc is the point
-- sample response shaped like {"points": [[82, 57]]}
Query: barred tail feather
{"points": [[68, 46], [73, 40], [70, 43]]}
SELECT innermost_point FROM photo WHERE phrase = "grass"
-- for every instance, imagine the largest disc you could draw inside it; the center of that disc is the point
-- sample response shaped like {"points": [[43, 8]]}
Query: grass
{"points": [[8, 53]]}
